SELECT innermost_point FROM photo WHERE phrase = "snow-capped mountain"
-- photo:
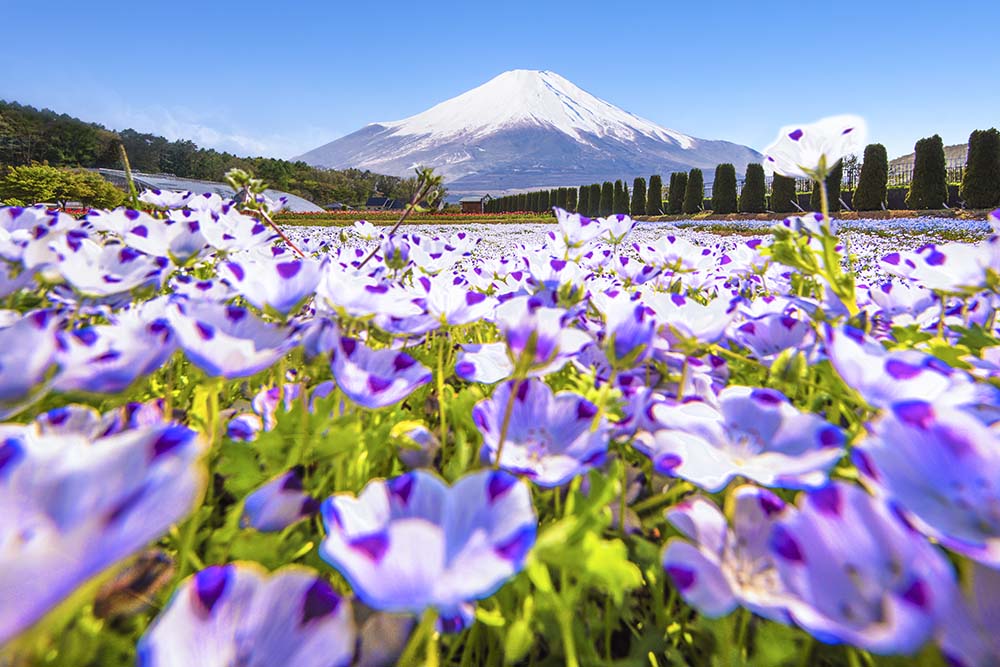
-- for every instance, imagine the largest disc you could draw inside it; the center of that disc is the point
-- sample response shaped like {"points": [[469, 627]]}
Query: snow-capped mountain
{"points": [[526, 129]]}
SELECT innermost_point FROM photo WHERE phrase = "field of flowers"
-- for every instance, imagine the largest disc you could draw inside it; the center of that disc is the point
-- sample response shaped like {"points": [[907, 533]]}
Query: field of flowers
{"points": [[349, 217], [589, 443]]}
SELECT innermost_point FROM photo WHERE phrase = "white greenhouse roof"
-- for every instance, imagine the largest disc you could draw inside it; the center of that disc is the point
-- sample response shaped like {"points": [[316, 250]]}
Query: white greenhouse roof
{"points": [[168, 182]]}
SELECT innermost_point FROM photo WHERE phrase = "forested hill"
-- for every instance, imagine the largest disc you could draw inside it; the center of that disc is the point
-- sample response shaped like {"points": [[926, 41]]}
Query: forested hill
{"points": [[39, 135]]}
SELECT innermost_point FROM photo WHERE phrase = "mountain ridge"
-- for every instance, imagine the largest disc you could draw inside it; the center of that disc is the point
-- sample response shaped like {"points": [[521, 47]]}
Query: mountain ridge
{"points": [[521, 130]]}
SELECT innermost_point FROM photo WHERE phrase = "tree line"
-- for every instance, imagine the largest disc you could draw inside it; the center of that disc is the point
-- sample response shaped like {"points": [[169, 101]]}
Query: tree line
{"points": [[39, 136], [685, 192]]}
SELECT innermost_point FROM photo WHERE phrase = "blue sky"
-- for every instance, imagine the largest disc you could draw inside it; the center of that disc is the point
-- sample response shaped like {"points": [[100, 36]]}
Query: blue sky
{"points": [[279, 78]]}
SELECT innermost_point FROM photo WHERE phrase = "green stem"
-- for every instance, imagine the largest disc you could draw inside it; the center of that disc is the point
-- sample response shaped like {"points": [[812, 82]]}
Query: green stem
{"points": [[566, 624], [440, 392], [807, 649], [185, 555], [602, 399], [417, 639], [622, 505], [741, 632], [505, 425]]}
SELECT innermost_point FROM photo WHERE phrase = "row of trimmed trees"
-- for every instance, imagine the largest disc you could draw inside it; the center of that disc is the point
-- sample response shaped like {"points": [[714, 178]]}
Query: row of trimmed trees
{"points": [[685, 193]]}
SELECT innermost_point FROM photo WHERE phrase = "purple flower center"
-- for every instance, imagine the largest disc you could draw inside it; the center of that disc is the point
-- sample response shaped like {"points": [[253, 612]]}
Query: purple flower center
{"points": [[210, 584], [320, 600]]}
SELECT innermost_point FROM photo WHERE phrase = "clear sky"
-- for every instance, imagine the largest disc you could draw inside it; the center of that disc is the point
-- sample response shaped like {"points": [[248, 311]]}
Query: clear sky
{"points": [[279, 78]]}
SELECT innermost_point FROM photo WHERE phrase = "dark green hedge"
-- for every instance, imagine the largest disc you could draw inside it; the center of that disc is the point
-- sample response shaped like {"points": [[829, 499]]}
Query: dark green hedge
{"points": [[694, 193], [872, 183], [782, 194], [981, 180], [929, 187], [638, 206], [654, 196], [724, 189], [754, 191], [833, 180], [675, 197]]}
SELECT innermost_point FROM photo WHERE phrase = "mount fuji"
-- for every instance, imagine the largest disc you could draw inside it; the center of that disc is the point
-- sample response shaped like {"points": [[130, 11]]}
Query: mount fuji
{"points": [[523, 130]]}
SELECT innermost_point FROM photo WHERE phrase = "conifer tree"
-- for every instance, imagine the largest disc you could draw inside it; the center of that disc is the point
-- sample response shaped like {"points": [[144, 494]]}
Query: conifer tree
{"points": [[783, 194], [654, 196], [694, 193], [833, 180], [678, 186], [621, 198], [724, 189], [607, 199], [929, 186], [595, 200], [638, 205], [981, 180], [873, 180], [753, 194], [571, 199], [583, 201]]}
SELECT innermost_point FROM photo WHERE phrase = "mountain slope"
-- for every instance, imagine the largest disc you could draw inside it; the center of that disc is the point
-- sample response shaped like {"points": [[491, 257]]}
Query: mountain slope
{"points": [[525, 129]]}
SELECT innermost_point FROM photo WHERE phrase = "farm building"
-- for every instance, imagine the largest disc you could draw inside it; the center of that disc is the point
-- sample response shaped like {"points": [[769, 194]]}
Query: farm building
{"points": [[384, 204], [474, 204]]}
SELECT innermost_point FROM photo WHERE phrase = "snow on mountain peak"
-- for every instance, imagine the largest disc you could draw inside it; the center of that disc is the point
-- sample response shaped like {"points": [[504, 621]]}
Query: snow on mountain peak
{"points": [[529, 97]]}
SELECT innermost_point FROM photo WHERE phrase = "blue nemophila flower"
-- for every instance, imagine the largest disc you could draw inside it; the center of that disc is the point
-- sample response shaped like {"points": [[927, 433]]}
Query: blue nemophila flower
{"points": [[269, 401], [883, 377], [681, 317], [628, 328], [166, 198], [549, 438], [810, 224], [674, 253], [108, 358], [227, 341], [538, 338], [376, 378], [577, 230], [282, 284], [200, 290], [413, 542], [905, 303], [395, 251], [365, 230], [417, 445], [433, 255], [616, 228], [224, 227], [810, 151], [770, 335], [279, 503], [74, 502], [631, 270], [487, 363], [244, 427], [350, 294], [99, 270], [35, 220], [947, 267], [970, 632], [27, 353], [755, 433], [449, 299], [181, 241], [859, 575], [238, 614], [719, 565], [941, 467]]}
